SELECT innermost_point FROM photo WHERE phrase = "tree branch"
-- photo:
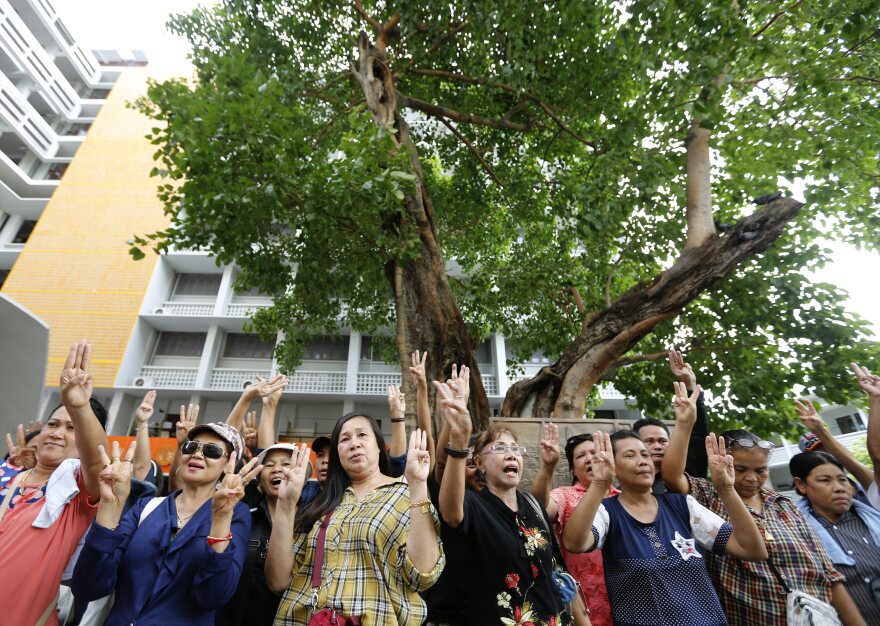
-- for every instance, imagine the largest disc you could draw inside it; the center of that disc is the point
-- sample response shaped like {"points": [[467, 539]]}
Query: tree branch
{"points": [[562, 126], [474, 151], [438, 111], [383, 31], [776, 16]]}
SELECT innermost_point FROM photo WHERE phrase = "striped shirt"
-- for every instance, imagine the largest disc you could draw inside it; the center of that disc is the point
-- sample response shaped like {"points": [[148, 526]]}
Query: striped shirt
{"points": [[854, 537], [749, 592], [367, 571]]}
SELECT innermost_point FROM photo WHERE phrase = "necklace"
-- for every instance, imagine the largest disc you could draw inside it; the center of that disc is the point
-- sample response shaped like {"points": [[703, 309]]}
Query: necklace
{"points": [[29, 492]]}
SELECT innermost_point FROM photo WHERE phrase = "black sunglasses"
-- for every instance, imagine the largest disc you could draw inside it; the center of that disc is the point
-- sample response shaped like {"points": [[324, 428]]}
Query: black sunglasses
{"points": [[210, 450]]}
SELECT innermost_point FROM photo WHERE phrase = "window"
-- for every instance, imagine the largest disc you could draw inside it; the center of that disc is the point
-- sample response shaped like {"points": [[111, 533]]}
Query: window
{"points": [[483, 352], [24, 231], [247, 346], [327, 349], [3, 275], [197, 285], [538, 357], [181, 344], [850, 424]]}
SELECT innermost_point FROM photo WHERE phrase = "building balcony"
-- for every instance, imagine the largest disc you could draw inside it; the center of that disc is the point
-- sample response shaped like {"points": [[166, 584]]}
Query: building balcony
{"points": [[156, 377], [237, 309], [377, 384], [186, 309]]}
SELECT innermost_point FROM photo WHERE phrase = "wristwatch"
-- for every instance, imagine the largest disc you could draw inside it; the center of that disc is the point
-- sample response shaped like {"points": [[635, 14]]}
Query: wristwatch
{"points": [[456, 453]]}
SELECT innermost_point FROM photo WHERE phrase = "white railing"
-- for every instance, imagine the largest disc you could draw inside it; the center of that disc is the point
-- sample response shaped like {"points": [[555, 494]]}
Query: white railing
{"points": [[84, 61], [187, 309], [317, 382], [782, 454], [376, 384], [21, 45], [153, 376], [19, 114], [234, 309], [490, 384], [222, 378]]}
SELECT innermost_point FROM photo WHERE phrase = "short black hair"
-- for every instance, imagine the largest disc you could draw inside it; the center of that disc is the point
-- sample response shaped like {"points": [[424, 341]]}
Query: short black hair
{"points": [[97, 408], [649, 421], [572, 443], [622, 434]]}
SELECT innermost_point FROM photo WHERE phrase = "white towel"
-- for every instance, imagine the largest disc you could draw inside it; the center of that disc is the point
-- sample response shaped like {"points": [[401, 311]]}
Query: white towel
{"points": [[60, 490]]}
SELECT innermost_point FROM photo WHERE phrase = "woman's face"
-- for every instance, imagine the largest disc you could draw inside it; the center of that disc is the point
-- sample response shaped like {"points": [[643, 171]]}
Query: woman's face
{"points": [[198, 469], [473, 477], [57, 441], [633, 463], [273, 469], [502, 468], [358, 449], [828, 490], [580, 457], [750, 465]]}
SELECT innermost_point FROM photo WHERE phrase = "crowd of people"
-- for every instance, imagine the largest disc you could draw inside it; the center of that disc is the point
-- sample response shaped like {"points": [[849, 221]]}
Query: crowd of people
{"points": [[656, 528]]}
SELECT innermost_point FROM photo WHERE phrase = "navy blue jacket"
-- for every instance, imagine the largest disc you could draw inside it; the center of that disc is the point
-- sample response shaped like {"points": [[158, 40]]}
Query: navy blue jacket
{"points": [[159, 579]]}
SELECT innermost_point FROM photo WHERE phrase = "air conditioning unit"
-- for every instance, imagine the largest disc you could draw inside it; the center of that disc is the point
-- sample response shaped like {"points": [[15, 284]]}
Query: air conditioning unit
{"points": [[143, 381], [159, 311]]}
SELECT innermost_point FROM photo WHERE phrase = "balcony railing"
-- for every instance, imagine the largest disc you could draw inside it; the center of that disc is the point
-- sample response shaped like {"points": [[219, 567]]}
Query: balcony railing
{"points": [[222, 378], [782, 454], [155, 377], [317, 382], [186, 309], [235, 309]]}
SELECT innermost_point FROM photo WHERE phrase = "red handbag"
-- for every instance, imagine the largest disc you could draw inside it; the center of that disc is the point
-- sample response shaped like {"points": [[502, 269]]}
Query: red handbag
{"points": [[325, 617]]}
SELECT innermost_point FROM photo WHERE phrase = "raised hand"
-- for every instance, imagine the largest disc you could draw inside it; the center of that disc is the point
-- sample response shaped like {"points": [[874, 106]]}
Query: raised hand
{"points": [[294, 477], [20, 454], [265, 388], [145, 410], [455, 410], [417, 369], [682, 370], [249, 432], [76, 382], [115, 478], [231, 489], [809, 415], [869, 383], [396, 402], [187, 421], [271, 400], [720, 463], [34, 426], [460, 382], [550, 445], [685, 405], [418, 461], [602, 461]]}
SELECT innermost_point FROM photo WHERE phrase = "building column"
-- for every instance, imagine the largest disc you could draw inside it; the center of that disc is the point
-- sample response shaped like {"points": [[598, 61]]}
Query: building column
{"points": [[224, 295], [10, 229], [113, 411], [353, 363], [209, 357], [499, 355]]}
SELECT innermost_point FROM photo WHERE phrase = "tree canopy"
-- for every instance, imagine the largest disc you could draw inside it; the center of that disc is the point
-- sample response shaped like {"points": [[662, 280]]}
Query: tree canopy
{"points": [[527, 164]]}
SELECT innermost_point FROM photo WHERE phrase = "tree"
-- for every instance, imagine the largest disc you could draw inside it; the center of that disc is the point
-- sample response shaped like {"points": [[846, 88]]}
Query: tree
{"points": [[541, 169]]}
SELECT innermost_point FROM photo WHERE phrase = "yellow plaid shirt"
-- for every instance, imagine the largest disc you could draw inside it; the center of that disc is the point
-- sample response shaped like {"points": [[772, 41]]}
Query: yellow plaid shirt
{"points": [[367, 570]]}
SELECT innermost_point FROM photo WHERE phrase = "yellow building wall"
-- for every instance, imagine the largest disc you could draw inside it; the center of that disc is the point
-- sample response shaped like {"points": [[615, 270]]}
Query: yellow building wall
{"points": [[75, 271]]}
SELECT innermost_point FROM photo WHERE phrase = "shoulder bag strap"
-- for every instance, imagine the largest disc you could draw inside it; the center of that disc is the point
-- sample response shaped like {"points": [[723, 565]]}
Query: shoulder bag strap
{"points": [[776, 573], [11, 486], [319, 560]]}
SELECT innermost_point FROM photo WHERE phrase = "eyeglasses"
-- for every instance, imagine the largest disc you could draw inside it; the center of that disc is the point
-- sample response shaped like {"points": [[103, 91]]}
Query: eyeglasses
{"points": [[501, 448], [750, 443], [210, 450]]}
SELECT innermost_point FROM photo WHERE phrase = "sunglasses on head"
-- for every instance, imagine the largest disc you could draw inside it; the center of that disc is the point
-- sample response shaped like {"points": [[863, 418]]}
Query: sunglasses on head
{"points": [[210, 450], [750, 443]]}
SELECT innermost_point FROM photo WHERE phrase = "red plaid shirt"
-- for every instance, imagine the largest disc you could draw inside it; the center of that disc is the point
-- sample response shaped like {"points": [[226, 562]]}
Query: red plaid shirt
{"points": [[749, 592]]}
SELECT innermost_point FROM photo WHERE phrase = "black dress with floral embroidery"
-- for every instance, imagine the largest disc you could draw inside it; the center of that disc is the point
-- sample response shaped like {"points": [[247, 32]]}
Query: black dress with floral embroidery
{"points": [[509, 563]]}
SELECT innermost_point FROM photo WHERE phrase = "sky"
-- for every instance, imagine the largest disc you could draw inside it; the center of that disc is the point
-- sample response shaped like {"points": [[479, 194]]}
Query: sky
{"points": [[140, 24]]}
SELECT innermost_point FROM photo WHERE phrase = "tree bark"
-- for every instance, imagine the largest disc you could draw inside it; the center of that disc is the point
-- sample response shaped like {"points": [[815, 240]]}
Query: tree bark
{"points": [[428, 316], [560, 390], [700, 223]]}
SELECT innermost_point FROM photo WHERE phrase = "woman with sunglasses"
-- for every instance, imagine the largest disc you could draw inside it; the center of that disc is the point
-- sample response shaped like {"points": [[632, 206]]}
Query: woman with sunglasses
{"points": [[366, 545], [175, 559], [508, 579], [749, 592]]}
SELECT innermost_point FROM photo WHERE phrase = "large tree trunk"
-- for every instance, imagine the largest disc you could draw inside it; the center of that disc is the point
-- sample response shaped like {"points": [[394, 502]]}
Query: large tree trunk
{"points": [[560, 390], [428, 317]]}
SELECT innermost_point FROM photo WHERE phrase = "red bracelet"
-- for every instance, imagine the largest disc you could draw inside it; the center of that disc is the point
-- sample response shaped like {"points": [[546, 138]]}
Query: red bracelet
{"points": [[213, 540]]}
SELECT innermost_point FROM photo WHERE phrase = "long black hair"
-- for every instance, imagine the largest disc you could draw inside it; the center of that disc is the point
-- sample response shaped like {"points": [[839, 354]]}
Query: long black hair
{"points": [[337, 479], [800, 465]]}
